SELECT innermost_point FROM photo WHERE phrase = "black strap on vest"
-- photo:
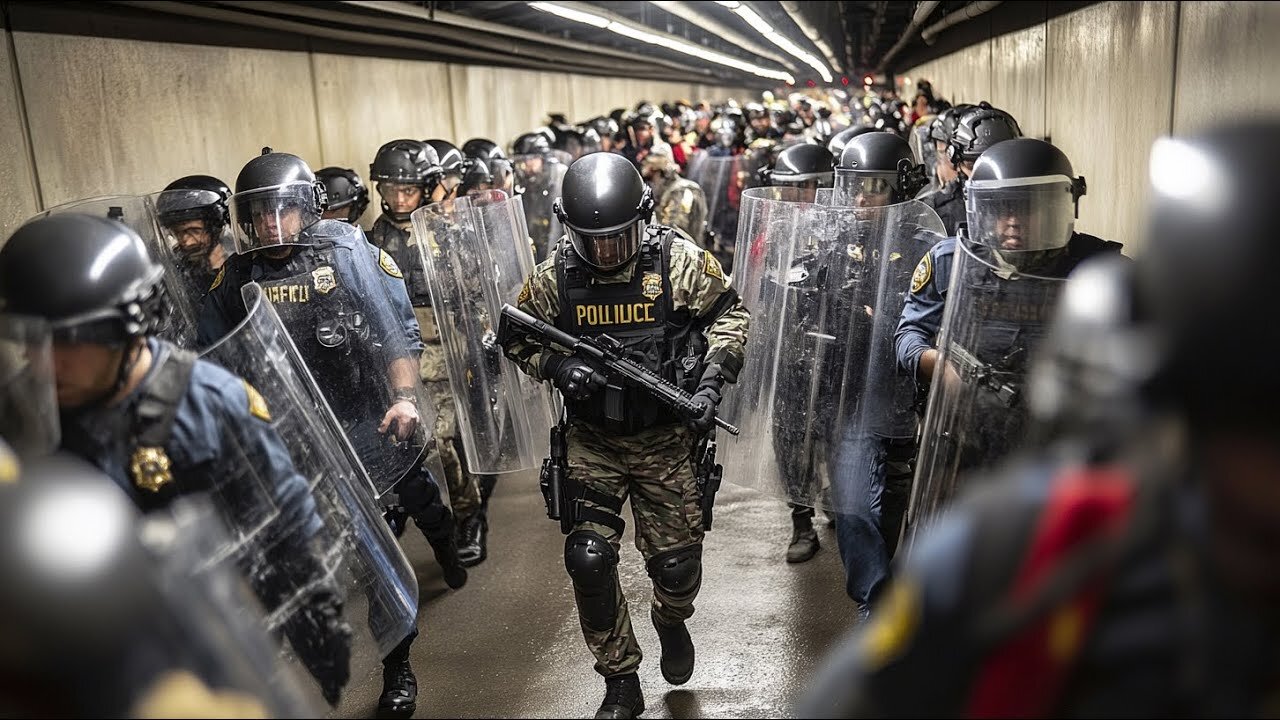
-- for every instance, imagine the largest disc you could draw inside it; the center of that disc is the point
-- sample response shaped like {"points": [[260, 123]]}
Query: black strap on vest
{"points": [[158, 405]]}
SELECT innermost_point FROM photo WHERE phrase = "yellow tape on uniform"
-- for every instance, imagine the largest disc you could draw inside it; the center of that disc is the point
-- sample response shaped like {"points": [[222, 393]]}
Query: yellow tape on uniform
{"points": [[922, 275], [218, 280], [257, 403], [525, 294]]}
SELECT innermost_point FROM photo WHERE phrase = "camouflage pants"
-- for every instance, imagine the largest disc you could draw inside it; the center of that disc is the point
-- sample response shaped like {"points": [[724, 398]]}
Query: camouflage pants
{"points": [[464, 490], [655, 469]]}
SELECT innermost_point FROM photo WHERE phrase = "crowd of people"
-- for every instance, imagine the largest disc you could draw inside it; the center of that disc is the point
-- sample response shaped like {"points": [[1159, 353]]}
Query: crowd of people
{"points": [[885, 306]]}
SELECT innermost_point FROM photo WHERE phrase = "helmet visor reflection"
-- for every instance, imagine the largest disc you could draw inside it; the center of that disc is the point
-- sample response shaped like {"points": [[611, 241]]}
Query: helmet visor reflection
{"points": [[608, 251]]}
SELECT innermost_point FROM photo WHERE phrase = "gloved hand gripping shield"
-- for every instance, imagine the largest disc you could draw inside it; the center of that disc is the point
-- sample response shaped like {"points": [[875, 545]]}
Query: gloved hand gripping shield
{"points": [[475, 253], [977, 413], [327, 560]]}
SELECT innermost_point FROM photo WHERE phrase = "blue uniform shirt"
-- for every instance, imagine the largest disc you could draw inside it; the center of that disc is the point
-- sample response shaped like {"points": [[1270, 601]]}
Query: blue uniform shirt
{"points": [[218, 436]]}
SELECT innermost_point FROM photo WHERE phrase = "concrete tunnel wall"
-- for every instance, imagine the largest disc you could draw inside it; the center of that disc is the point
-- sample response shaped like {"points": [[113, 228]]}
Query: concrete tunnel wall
{"points": [[88, 116], [1104, 82]]}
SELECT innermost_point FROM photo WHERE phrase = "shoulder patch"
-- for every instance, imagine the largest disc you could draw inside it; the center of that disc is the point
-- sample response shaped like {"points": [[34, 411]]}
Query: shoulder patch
{"points": [[222, 271], [711, 266], [923, 274], [388, 265], [892, 628], [257, 403], [525, 294]]}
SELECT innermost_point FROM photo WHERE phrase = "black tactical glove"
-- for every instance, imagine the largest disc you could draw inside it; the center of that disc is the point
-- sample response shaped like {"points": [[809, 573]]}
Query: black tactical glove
{"points": [[576, 379], [322, 641], [708, 396]]}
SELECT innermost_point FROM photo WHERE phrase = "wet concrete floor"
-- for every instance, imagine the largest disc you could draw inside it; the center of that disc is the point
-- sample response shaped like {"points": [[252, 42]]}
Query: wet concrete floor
{"points": [[508, 644]]}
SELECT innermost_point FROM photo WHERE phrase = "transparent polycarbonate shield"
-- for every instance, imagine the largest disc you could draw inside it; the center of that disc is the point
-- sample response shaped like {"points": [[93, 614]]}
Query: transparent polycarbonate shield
{"points": [[977, 413], [476, 255], [537, 181], [356, 349], [29, 420], [329, 536], [721, 179], [785, 398], [139, 213], [880, 248]]}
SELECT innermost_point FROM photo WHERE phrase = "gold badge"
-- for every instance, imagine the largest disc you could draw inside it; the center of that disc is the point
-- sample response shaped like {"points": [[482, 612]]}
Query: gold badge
{"points": [[711, 266], [388, 265], [922, 275], [151, 468], [257, 404], [525, 294], [218, 280], [325, 280], [651, 285]]}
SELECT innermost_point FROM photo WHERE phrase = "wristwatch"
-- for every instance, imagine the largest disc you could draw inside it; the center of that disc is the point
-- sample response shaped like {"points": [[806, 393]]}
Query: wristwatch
{"points": [[406, 395]]}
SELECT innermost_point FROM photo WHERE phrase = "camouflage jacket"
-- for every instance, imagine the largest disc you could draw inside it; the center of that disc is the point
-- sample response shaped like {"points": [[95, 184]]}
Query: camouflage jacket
{"points": [[682, 204]]}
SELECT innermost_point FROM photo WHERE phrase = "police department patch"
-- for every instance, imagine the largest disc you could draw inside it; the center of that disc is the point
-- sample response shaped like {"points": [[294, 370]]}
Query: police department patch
{"points": [[711, 266], [524, 294], [922, 275], [388, 265], [325, 280], [651, 285], [218, 280], [257, 403]]}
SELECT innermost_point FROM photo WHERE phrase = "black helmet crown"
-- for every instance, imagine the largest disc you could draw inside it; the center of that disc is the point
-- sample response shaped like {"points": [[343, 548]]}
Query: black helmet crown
{"points": [[344, 190], [604, 203], [978, 129], [195, 197]]}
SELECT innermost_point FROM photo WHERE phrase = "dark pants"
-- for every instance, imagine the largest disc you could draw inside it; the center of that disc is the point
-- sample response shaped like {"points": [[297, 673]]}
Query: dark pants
{"points": [[871, 486]]}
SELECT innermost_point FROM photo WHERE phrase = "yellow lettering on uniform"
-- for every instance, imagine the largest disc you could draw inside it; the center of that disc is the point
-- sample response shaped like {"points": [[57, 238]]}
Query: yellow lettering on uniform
{"points": [[593, 314], [582, 313], [648, 312], [624, 315]]}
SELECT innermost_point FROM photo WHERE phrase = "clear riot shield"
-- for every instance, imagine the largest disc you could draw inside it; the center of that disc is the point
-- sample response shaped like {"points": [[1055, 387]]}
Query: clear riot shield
{"points": [[476, 256], [721, 179], [784, 397], [355, 350], [926, 153], [29, 420], [537, 182], [977, 411], [330, 537], [139, 213]]}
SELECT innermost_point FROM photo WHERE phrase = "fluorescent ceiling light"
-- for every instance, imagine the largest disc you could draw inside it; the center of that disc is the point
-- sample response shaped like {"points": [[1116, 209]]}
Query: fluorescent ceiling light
{"points": [[661, 40], [764, 28]]}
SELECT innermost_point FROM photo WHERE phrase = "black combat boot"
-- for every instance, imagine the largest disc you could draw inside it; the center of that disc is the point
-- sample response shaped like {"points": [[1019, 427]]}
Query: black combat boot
{"points": [[399, 686], [622, 697], [473, 540], [440, 536], [804, 539], [677, 651]]}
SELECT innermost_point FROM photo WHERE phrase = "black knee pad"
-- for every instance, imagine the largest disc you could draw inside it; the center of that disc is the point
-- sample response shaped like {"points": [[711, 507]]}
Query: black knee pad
{"points": [[592, 564], [678, 572]]}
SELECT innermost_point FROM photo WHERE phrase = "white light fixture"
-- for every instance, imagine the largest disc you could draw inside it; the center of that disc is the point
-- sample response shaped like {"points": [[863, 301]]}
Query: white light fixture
{"points": [[666, 41], [763, 27]]}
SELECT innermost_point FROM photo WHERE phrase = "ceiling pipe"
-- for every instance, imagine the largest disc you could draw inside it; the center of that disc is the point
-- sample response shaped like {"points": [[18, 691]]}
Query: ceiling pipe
{"points": [[922, 13], [691, 14], [968, 12], [797, 16]]}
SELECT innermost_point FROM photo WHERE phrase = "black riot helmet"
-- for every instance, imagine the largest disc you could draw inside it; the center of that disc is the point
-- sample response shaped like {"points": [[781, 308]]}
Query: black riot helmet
{"points": [[90, 277], [604, 205], [531, 143], [450, 162], [406, 162], [345, 190], [476, 176], [1023, 197], [804, 165], [977, 130], [482, 148], [605, 127], [877, 168], [196, 197], [837, 142], [944, 125], [277, 198]]}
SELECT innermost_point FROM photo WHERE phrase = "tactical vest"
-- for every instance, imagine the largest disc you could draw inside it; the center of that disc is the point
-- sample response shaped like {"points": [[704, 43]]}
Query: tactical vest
{"points": [[387, 236], [640, 315]]}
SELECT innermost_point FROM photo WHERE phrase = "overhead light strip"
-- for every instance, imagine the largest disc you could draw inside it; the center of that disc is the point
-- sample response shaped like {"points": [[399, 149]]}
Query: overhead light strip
{"points": [[763, 27], [666, 41]]}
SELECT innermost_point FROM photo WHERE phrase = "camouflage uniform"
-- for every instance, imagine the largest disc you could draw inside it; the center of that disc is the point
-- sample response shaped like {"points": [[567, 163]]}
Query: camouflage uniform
{"points": [[682, 204], [396, 239], [653, 466]]}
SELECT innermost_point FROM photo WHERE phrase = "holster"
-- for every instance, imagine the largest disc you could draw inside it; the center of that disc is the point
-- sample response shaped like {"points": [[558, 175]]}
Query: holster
{"points": [[707, 474], [566, 498]]}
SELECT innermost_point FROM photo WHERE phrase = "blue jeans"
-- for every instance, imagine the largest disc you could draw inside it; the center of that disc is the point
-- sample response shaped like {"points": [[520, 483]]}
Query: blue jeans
{"points": [[871, 485]]}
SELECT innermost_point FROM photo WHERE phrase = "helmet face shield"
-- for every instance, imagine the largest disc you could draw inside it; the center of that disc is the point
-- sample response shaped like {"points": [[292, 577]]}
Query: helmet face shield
{"points": [[863, 189], [607, 251], [277, 215], [1021, 215]]}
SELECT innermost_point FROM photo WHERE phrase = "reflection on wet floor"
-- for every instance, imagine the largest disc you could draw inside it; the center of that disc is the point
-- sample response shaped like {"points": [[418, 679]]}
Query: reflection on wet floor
{"points": [[508, 644]]}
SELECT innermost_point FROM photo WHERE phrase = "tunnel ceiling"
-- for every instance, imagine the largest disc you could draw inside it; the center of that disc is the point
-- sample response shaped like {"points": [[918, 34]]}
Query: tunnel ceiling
{"points": [[855, 36]]}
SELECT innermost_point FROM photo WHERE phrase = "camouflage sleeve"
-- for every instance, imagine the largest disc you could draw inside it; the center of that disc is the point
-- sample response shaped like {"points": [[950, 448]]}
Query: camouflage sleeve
{"points": [[540, 298], [698, 283]]}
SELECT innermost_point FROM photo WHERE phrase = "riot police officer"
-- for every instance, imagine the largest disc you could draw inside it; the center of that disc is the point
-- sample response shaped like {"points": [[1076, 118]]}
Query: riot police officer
{"points": [[1140, 579], [156, 419], [682, 320], [679, 203], [346, 307], [539, 171], [805, 166], [643, 129], [500, 169], [193, 211], [451, 169], [977, 129], [941, 129], [347, 194]]}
